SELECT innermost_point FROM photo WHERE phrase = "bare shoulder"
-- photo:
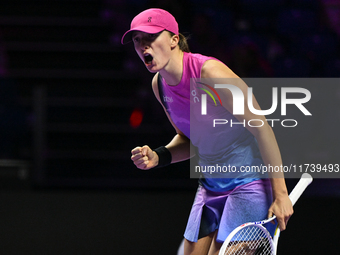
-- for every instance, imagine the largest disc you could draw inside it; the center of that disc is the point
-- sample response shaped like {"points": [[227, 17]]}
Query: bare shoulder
{"points": [[155, 86], [215, 69], [155, 81]]}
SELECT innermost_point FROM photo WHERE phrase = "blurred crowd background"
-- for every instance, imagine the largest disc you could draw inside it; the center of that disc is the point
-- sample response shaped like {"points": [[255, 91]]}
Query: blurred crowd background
{"points": [[74, 101], [279, 38]]}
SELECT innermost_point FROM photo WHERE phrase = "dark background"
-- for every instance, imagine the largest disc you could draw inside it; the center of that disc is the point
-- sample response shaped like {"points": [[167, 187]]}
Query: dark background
{"points": [[74, 102]]}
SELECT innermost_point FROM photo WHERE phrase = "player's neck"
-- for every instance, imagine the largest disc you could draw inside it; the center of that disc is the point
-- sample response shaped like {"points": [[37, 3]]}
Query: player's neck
{"points": [[173, 71]]}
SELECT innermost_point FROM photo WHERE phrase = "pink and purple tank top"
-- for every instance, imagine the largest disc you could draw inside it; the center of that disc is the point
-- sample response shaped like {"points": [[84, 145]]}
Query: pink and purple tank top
{"points": [[221, 144]]}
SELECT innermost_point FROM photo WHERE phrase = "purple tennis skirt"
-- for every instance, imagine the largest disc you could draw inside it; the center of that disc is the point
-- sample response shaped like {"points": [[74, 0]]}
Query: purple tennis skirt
{"points": [[227, 210]]}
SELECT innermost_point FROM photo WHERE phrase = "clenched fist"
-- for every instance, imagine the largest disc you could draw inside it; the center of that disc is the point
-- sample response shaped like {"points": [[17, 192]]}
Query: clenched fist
{"points": [[144, 158]]}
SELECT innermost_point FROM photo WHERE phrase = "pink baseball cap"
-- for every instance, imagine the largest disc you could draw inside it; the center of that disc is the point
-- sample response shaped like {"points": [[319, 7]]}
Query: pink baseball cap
{"points": [[151, 21]]}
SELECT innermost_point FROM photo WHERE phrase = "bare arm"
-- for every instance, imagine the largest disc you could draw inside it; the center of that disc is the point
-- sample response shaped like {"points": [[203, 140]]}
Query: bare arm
{"points": [[282, 206], [179, 147], [180, 144]]}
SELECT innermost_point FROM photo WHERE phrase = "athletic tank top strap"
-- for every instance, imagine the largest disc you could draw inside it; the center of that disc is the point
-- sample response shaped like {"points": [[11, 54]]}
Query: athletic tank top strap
{"points": [[176, 99], [160, 90]]}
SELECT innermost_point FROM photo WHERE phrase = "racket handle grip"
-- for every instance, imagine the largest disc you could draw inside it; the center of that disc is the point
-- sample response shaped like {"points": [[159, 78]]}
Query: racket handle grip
{"points": [[300, 187]]}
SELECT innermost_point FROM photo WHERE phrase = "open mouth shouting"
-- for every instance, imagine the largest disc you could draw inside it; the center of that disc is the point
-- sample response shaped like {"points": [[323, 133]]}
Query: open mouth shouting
{"points": [[148, 59]]}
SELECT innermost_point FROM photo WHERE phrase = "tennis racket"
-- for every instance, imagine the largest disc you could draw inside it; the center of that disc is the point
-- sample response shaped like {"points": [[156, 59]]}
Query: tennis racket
{"points": [[180, 250], [253, 238]]}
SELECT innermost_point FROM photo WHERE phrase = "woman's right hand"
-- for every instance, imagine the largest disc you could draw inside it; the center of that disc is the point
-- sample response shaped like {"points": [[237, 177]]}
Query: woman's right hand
{"points": [[144, 158]]}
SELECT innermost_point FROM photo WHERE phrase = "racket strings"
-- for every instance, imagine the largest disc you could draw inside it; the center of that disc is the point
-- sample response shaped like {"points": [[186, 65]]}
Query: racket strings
{"points": [[249, 241]]}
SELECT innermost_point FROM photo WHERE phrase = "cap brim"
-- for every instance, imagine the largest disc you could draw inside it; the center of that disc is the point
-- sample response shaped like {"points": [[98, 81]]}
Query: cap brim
{"points": [[126, 38]]}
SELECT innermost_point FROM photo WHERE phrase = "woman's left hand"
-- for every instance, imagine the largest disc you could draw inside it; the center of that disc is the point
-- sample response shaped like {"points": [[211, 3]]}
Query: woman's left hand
{"points": [[282, 208]]}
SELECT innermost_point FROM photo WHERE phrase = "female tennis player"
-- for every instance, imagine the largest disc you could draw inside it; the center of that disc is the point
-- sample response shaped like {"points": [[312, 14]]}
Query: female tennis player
{"points": [[221, 204]]}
